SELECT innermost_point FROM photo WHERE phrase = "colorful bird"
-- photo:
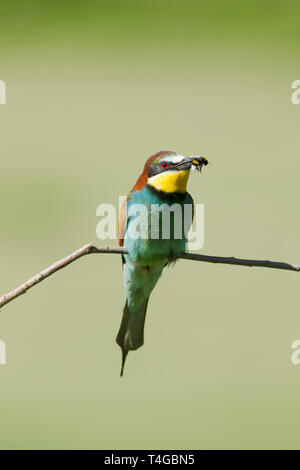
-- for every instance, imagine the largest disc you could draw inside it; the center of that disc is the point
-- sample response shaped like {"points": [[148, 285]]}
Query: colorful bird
{"points": [[159, 241]]}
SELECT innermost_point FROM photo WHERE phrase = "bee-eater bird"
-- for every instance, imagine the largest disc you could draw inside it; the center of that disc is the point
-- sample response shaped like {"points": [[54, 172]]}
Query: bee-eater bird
{"points": [[162, 184]]}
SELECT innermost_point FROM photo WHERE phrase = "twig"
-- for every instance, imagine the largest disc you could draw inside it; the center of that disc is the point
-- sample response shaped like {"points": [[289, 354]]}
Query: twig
{"points": [[241, 262], [91, 249], [84, 250]]}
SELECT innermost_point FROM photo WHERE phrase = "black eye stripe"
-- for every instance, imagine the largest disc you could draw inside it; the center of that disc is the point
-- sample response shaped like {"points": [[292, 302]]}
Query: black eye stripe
{"points": [[158, 168]]}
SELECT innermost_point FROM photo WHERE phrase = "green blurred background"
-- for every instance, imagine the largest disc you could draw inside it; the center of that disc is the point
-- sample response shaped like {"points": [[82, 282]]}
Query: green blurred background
{"points": [[93, 89]]}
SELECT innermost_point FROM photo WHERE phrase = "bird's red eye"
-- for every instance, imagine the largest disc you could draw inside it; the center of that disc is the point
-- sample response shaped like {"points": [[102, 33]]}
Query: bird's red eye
{"points": [[164, 165]]}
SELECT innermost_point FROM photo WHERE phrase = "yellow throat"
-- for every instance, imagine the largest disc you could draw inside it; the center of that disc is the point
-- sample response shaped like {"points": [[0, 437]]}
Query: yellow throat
{"points": [[170, 181]]}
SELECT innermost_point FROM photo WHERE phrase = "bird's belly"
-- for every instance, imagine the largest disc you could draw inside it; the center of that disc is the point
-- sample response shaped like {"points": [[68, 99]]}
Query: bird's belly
{"points": [[154, 251]]}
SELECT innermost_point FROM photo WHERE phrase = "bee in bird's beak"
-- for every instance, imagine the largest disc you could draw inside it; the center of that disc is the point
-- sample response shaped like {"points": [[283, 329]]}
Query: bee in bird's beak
{"points": [[198, 163], [191, 163]]}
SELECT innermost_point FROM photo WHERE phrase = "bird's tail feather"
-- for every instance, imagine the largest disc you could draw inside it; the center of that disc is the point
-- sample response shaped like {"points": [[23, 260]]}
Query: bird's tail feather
{"points": [[131, 332]]}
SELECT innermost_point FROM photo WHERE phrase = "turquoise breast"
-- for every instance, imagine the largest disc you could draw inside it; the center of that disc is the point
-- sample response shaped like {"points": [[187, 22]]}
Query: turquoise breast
{"points": [[157, 225]]}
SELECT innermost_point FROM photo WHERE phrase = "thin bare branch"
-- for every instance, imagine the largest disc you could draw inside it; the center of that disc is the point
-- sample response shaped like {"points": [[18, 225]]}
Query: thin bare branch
{"points": [[92, 249], [241, 262], [62, 263]]}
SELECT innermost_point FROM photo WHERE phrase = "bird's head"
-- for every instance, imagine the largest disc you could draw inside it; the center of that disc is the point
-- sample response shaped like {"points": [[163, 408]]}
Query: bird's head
{"points": [[169, 171]]}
